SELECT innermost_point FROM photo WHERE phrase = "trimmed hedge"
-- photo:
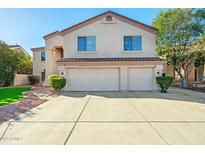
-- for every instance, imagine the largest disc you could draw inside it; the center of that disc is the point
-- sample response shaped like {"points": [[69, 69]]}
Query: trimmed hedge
{"points": [[164, 82], [57, 82], [33, 79]]}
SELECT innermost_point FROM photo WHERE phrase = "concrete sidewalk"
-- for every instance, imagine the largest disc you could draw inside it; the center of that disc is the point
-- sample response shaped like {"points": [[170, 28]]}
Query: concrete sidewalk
{"points": [[112, 118]]}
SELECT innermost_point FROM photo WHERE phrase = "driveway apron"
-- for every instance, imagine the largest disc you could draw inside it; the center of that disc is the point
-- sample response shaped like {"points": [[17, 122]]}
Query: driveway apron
{"points": [[111, 118]]}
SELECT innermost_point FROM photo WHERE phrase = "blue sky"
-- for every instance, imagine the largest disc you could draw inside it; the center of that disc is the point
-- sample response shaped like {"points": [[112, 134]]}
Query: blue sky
{"points": [[26, 27]]}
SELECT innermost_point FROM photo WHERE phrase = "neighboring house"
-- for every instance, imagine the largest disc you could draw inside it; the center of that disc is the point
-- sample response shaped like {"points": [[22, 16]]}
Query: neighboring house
{"points": [[108, 52], [20, 79], [20, 48], [197, 75]]}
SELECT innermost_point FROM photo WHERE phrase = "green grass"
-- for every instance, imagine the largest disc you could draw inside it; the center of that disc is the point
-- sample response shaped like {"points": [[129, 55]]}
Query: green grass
{"points": [[11, 95]]}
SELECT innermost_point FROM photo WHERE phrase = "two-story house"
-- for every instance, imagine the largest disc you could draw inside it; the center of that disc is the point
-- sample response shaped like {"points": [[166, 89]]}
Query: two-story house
{"points": [[108, 52]]}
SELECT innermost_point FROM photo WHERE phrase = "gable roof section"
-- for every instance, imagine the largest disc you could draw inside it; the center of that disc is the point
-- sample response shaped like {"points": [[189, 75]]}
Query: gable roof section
{"points": [[98, 17]]}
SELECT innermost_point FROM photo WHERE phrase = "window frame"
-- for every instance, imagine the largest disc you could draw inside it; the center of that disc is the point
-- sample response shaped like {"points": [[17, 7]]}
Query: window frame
{"points": [[135, 51], [44, 56], [86, 51]]}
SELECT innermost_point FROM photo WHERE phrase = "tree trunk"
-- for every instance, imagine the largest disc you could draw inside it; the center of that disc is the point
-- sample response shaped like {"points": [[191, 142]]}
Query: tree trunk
{"points": [[184, 82]]}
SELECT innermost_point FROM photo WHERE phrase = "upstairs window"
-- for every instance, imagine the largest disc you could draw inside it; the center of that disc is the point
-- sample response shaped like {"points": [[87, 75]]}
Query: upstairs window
{"points": [[87, 43], [132, 43], [43, 56]]}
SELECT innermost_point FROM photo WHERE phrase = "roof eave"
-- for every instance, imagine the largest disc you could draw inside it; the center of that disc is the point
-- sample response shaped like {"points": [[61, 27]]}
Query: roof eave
{"points": [[93, 19], [46, 37], [37, 49]]}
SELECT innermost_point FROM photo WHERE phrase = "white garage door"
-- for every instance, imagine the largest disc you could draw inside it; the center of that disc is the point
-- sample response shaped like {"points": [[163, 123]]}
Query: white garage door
{"points": [[140, 79], [93, 79]]}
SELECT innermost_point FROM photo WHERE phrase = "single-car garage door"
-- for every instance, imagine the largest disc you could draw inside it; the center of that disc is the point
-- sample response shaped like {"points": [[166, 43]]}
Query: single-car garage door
{"points": [[93, 79], [140, 79]]}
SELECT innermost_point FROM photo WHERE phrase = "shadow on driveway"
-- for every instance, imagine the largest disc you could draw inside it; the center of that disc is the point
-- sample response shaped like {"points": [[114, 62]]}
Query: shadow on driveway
{"points": [[173, 94]]}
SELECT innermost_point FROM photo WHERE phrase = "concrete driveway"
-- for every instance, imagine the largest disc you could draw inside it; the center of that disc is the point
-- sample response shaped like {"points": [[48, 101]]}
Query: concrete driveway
{"points": [[112, 118]]}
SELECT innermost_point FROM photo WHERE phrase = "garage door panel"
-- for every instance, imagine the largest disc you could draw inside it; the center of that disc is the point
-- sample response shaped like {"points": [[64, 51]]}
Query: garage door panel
{"points": [[140, 79], [93, 79]]}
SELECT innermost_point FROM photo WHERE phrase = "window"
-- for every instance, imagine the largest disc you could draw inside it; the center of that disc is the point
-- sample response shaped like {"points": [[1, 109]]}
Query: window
{"points": [[43, 56], [132, 43], [86, 43]]}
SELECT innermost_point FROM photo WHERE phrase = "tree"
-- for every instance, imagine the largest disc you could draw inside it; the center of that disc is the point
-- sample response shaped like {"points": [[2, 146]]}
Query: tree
{"points": [[9, 63], [179, 31], [12, 61], [26, 65]]}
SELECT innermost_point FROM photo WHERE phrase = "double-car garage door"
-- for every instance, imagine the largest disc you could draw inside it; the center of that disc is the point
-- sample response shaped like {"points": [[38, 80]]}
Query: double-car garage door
{"points": [[108, 79], [93, 79]]}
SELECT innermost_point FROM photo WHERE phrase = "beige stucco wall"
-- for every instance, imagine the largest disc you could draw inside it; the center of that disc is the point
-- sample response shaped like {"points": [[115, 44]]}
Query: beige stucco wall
{"points": [[109, 40], [109, 43], [38, 65], [51, 55], [21, 79], [168, 69], [192, 75], [53, 42]]}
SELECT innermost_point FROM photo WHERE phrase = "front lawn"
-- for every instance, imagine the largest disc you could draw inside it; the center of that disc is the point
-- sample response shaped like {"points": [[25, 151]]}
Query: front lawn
{"points": [[11, 95]]}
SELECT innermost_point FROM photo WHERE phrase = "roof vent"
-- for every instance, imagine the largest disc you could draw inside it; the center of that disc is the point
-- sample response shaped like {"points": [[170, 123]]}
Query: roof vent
{"points": [[108, 18]]}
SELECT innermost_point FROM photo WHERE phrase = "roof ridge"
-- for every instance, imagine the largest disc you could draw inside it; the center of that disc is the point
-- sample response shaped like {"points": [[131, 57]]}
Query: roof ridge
{"points": [[84, 21], [94, 17]]}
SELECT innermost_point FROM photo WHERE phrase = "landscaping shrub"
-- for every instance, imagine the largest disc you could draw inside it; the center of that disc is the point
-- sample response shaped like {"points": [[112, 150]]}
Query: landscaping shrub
{"points": [[57, 82], [33, 79], [164, 82]]}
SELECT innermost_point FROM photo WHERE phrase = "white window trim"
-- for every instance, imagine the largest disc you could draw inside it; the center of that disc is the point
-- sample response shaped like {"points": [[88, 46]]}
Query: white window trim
{"points": [[89, 52], [132, 51]]}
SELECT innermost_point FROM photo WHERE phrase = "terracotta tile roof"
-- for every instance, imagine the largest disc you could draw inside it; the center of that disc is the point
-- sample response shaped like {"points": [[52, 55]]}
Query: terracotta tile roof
{"points": [[110, 59]]}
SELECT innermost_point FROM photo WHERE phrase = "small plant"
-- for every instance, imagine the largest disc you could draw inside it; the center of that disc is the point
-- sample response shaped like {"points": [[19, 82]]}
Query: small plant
{"points": [[164, 82], [33, 79], [57, 82]]}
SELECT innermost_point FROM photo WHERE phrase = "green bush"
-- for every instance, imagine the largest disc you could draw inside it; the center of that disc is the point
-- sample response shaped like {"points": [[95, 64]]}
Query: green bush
{"points": [[33, 79], [9, 64], [164, 82], [53, 76], [57, 82]]}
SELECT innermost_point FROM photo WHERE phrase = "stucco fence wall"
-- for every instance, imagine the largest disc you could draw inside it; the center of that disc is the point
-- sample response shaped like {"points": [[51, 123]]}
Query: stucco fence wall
{"points": [[21, 79]]}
